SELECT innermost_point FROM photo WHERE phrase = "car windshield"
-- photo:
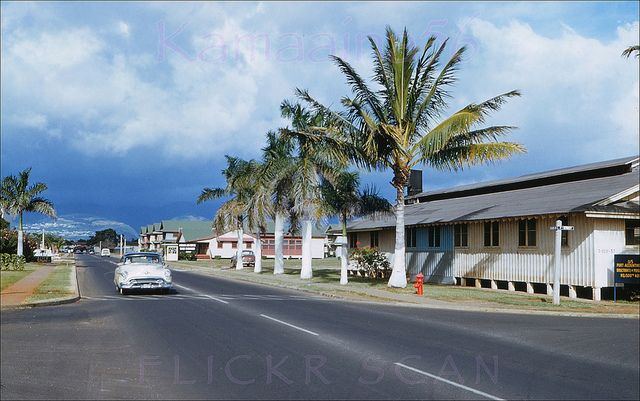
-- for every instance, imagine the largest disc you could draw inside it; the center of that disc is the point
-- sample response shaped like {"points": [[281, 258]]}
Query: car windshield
{"points": [[247, 252], [141, 259]]}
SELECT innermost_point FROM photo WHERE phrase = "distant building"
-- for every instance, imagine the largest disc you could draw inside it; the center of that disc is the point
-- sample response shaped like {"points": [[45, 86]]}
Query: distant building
{"points": [[497, 234], [199, 237]]}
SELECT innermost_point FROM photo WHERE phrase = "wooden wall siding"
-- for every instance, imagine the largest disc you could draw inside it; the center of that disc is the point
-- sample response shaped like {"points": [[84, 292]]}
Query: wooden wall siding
{"points": [[529, 264], [609, 236], [436, 266]]}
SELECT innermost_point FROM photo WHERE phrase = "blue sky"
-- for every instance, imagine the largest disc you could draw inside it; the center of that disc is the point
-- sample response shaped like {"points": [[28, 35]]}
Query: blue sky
{"points": [[126, 110]]}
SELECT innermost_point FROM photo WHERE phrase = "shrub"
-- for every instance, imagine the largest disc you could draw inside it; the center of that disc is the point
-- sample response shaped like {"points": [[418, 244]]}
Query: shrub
{"points": [[187, 256], [11, 262], [373, 262]]}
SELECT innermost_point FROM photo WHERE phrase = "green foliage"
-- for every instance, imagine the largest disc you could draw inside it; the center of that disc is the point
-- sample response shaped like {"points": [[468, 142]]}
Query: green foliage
{"points": [[109, 238], [374, 263], [3, 224], [11, 262], [187, 256], [9, 243]]}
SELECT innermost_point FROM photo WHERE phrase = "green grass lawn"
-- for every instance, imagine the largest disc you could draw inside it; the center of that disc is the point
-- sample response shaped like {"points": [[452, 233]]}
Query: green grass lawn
{"points": [[59, 284], [326, 278], [8, 277]]}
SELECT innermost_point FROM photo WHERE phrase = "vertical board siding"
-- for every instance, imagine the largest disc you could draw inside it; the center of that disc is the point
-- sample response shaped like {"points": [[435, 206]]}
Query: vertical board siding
{"points": [[509, 262], [582, 264]]}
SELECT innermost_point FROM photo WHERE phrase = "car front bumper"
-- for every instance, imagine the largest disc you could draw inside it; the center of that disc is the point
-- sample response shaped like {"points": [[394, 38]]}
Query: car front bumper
{"points": [[146, 283]]}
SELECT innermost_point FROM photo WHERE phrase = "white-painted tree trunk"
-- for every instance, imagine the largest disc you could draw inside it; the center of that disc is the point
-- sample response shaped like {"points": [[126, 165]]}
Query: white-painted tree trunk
{"points": [[344, 253], [239, 263], [344, 263], [278, 267], [257, 267], [20, 251], [306, 272], [398, 277]]}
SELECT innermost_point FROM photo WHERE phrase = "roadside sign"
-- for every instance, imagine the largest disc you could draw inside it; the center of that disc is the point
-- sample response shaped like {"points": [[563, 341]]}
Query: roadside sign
{"points": [[626, 270]]}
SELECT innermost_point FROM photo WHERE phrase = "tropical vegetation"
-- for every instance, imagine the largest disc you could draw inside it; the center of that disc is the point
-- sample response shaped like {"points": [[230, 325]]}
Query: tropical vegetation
{"points": [[17, 196], [400, 121], [344, 198]]}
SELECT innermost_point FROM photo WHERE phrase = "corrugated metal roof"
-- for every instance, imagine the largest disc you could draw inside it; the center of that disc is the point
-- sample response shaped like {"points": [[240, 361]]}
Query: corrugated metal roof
{"points": [[585, 171], [561, 198]]}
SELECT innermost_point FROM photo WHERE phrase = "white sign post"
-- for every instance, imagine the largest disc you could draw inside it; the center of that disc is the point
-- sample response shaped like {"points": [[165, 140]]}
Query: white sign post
{"points": [[558, 228]]}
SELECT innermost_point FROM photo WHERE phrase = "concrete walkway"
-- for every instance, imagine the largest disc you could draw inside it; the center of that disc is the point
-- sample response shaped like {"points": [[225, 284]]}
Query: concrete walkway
{"points": [[19, 291]]}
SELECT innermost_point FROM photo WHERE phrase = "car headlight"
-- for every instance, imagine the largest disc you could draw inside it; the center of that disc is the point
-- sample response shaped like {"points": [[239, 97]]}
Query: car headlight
{"points": [[124, 274], [167, 273]]}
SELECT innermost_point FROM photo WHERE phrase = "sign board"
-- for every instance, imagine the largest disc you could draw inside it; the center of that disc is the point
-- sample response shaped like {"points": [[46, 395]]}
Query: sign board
{"points": [[172, 253], [626, 269], [188, 247]]}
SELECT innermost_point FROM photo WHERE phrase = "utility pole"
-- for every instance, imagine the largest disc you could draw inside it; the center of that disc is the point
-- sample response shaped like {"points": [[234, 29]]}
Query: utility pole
{"points": [[558, 228]]}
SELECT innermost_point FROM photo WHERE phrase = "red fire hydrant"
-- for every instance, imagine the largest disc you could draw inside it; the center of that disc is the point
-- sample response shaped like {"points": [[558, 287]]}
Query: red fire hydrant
{"points": [[419, 285]]}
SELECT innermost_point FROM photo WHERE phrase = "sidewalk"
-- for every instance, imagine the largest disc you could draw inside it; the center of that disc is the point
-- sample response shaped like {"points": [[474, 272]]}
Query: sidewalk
{"points": [[19, 293], [326, 283]]}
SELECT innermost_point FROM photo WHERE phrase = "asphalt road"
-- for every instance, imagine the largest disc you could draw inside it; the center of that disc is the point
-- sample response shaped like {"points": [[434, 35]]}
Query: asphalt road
{"points": [[215, 338]]}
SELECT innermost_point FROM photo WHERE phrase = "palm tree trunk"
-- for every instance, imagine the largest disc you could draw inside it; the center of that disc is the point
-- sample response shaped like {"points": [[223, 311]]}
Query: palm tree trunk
{"points": [[306, 272], [278, 267], [20, 237], [257, 267], [344, 254], [239, 263], [398, 277]]}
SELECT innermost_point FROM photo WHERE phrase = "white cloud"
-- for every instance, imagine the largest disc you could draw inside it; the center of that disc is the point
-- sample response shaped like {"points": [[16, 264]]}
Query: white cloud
{"points": [[123, 29], [580, 98]]}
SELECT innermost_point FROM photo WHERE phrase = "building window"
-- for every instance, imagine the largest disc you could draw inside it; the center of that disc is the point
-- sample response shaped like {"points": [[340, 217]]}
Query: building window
{"points": [[434, 237], [492, 233], [373, 239], [410, 237], [527, 232], [632, 232], [220, 245], [565, 234], [234, 245], [353, 240], [247, 244], [461, 234]]}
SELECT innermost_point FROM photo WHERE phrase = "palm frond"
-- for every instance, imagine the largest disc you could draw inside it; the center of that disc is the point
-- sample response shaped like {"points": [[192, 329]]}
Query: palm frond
{"points": [[211, 193]]}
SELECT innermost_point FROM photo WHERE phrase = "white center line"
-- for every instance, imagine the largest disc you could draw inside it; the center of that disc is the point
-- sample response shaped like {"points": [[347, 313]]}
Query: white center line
{"points": [[204, 295], [289, 324], [489, 396]]}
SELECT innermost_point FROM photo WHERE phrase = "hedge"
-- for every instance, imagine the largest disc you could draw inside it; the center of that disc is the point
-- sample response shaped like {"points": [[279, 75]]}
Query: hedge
{"points": [[11, 262]]}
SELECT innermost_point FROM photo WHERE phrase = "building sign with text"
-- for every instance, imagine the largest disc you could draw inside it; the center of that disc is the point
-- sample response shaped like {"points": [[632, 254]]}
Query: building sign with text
{"points": [[627, 269]]}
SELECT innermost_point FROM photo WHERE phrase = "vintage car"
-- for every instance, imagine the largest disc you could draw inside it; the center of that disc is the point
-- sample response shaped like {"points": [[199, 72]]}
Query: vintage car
{"points": [[142, 271], [248, 258], [105, 252]]}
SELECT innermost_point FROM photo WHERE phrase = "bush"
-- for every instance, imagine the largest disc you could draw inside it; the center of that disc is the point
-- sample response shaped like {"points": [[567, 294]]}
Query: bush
{"points": [[9, 243], [11, 262], [373, 262], [187, 256]]}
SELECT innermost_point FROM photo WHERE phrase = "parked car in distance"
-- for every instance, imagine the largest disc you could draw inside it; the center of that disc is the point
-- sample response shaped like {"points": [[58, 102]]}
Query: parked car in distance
{"points": [[105, 252], [248, 258], [91, 252], [142, 271]]}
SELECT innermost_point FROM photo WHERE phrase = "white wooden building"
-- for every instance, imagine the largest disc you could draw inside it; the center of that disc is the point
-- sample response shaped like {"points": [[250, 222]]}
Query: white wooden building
{"points": [[497, 234]]}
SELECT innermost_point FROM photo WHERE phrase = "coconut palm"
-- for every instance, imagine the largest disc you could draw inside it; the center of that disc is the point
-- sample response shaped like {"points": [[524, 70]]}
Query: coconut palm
{"points": [[312, 161], [345, 200], [232, 213], [17, 197], [274, 190], [630, 50], [399, 123]]}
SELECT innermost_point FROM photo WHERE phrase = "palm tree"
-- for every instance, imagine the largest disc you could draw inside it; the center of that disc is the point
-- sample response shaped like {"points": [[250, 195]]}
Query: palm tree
{"points": [[345, 200], [232, 213], [398, 125], [17, 197], [630, 50], [274, 189], [312, 160]]}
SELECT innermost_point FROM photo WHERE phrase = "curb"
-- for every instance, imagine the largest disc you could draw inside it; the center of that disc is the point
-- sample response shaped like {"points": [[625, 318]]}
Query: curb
{"points": [[55, 301], [392, 302]]}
